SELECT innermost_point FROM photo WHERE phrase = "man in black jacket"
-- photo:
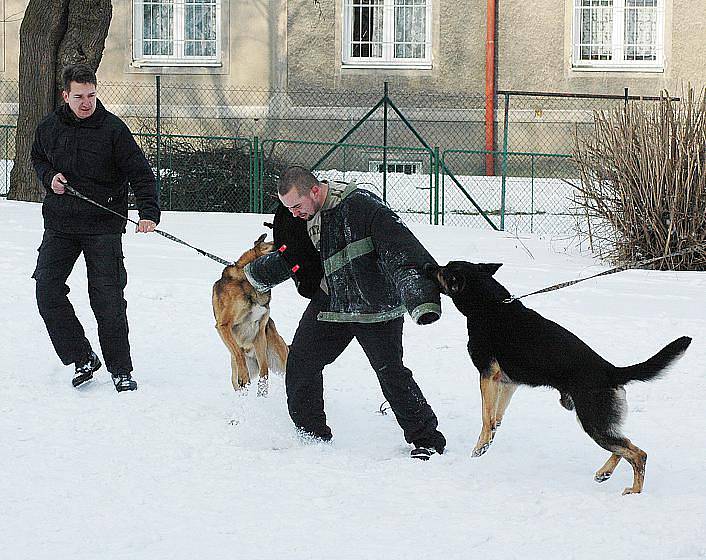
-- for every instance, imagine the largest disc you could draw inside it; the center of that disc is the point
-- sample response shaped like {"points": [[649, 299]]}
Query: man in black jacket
{"points": [[84, 146], [371, 277]]}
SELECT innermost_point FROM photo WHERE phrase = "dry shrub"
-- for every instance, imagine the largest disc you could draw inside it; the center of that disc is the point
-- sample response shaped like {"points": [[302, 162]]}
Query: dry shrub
{"points": [[643, 191]]}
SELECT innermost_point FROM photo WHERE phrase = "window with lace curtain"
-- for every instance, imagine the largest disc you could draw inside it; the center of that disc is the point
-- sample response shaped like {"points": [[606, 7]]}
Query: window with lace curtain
{"points": [[619, 34], [387, 33], [176, 32]]}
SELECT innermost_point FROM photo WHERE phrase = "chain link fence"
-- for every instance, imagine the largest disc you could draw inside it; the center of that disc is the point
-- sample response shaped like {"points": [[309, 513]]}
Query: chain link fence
{"points": [[8, 120], [220, 149], [408, 186]]}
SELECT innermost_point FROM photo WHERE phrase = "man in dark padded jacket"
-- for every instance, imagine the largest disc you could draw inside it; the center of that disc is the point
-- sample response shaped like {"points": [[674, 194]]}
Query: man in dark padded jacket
{"points": [[371, 277], [84, 146]]}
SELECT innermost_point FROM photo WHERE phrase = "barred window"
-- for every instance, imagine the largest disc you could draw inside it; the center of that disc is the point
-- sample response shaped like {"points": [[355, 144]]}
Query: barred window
{"points": [[387, 33], [176, 31], [406, 167], [624, 34]]}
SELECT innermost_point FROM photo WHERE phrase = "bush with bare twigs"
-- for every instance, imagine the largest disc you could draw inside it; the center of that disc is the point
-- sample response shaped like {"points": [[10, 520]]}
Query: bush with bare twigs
{"points": [[643, 191]]}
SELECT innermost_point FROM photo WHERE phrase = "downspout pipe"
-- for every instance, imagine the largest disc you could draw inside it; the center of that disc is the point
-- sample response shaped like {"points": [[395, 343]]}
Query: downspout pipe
{"points": [[491, 13]]}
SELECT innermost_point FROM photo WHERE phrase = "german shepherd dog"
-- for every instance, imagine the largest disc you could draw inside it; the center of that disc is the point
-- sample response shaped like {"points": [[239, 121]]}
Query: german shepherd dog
{"points": [[243, 321], [512, 345]]}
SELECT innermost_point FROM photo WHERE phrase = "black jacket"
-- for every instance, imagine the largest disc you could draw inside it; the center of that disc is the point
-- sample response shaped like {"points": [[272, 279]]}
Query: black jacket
{"points": [[372, 263], [99, 158]]}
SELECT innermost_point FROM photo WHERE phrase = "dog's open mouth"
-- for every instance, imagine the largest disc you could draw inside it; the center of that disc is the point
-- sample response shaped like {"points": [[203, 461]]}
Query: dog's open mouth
{"points": [[435, 273]]}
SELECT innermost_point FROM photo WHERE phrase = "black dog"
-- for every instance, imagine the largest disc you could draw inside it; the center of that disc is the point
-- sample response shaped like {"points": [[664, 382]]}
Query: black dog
{"points": [[512, 345]]}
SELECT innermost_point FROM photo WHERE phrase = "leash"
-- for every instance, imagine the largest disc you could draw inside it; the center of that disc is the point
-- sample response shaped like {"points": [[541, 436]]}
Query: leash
{"points": [[159, 231], [383, 408], [604, 273]]}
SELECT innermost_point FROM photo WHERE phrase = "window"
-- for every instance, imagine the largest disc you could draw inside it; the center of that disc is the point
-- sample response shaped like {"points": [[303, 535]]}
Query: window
{"points": [[387, 33], [176, 32], [406, 167], [622, 34]]}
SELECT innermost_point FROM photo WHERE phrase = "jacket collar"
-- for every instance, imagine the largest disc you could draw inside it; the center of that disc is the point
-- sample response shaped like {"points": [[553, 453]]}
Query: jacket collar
{"points": [[341, 195], [350, 188], [65, 113]]}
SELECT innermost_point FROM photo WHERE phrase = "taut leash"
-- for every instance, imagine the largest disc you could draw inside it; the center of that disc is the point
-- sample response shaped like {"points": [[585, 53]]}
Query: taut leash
{"points": [[604, 273], [160, 232]]}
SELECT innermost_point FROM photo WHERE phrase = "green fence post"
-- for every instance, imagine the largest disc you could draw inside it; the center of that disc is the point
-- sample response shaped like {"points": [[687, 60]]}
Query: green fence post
{"points": [[532, 194], [251, 179], [442, 210], [261, 182], [158, 88], [5, 158], [255, 201], [433, 165], [436, 185], [384, 146], [504, 179], [345, 163]]}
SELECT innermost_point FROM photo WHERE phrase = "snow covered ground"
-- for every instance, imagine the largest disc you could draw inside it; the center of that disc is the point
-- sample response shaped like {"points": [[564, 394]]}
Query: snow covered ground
{"points": [[185, 468]]}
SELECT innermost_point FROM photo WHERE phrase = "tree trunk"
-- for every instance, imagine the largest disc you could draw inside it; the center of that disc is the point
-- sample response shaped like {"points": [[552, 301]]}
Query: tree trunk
{"points": [[84, 41], [53, 33]]}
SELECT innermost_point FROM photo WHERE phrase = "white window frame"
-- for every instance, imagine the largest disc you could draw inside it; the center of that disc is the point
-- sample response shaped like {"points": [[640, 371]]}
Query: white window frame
{"points": [[617, 46], [388, 59], [178, 58]]}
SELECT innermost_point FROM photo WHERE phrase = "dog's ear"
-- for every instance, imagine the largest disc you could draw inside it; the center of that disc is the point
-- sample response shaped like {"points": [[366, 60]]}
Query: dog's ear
{"points": [[489, 268], [259, 240]]}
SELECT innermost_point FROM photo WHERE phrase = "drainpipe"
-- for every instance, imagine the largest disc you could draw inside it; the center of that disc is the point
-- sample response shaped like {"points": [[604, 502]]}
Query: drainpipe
{"points": [[491, 12]]}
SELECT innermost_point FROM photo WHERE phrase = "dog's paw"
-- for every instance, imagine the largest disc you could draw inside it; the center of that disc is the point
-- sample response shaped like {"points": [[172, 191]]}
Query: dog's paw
{"points": [[262, 388], [241, 388], [478, 451], [602, 476], [566, 401]]}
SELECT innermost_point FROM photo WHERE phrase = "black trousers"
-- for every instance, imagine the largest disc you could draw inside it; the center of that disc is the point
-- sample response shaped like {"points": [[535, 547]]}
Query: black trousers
{"points": [[318, 343], [107, 279]]}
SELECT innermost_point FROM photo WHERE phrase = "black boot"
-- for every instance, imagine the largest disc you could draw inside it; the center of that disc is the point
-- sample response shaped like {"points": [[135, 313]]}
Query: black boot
{"points": [[85, 368], [123, 382], [426, 447]]}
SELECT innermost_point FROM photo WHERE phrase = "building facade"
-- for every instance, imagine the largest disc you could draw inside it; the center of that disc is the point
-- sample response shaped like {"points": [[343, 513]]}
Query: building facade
{"points": [[586, 46]]}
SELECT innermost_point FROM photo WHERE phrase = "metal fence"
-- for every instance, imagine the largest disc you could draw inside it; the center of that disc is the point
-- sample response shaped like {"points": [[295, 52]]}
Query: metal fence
{"points": [[217, 149], [7, 155]]}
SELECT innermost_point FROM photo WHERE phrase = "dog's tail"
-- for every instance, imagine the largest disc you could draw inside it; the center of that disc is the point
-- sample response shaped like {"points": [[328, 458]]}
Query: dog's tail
{"points": [[649, 369], [277, 349], [276, 365]]}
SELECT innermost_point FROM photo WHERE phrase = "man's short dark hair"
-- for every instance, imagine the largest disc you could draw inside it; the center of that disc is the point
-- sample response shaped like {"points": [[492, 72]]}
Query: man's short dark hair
{"points": [[79, 73], [297, 177]]}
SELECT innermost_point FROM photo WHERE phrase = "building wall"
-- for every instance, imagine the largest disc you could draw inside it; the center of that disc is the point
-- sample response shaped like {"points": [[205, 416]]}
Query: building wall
{"points": [[315, 50], [273, 44], [688, 45], [534, 45], [249, 41], [253, 46], [534, 51], [11, 13]]}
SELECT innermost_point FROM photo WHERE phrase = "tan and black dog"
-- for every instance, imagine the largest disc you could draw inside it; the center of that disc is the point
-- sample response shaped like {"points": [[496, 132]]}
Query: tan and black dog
{"points": [[512, 345], [244, 323]]}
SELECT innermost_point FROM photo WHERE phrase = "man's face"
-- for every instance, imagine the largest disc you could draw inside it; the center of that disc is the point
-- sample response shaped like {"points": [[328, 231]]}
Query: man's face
{"points": [[81, 99], [302, 206]]}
